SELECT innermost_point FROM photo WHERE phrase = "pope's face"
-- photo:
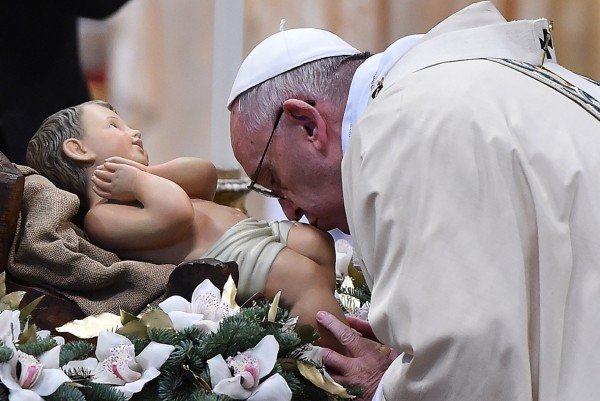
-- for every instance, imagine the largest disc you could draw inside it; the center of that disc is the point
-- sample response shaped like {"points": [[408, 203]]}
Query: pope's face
{"points": [[107, 135], [309, 181]]}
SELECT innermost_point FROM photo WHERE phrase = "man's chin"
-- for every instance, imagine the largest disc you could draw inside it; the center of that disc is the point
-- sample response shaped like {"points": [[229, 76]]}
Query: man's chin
{"points": [[328, 226]]}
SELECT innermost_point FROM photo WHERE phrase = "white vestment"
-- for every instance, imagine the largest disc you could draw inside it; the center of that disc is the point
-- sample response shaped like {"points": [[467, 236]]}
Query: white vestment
{"points": [[473, 197]]}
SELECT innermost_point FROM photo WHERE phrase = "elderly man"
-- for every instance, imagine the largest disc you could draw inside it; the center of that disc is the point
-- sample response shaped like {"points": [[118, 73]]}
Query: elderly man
{"points": [[466, 165]]}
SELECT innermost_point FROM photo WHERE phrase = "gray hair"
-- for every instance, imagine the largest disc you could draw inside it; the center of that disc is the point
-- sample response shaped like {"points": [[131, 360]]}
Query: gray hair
{"points": [[325, 79], [45, 150]]}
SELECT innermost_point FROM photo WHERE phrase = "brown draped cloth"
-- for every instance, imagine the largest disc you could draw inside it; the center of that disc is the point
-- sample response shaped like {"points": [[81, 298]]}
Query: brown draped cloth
{"points": [[52, 252]]}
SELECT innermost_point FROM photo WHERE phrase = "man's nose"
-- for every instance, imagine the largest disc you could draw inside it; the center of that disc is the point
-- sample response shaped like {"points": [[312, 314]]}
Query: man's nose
{"points": [[290, 210]]}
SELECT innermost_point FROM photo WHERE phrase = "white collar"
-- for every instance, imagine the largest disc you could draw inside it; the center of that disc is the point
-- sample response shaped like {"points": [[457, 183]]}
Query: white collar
{"points": [[365, 79]]}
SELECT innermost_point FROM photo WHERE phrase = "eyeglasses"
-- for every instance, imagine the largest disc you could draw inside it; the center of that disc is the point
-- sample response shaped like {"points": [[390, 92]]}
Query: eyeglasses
{"points": [[253, 186]]}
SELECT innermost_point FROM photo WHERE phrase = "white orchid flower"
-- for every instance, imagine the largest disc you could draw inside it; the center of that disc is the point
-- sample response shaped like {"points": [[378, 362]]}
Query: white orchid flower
{"points": [[350, 303], [36, 377], [206, 310], [343, 257], [118, 365], [238, 377], [10, 327]]}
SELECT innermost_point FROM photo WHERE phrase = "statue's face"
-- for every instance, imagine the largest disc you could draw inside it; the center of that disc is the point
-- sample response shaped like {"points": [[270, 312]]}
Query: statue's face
{"points": [[106, 135]]}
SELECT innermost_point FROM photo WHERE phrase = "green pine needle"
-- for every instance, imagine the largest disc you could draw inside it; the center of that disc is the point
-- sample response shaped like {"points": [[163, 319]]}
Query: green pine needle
{"points": [[101, 392], [5, 353], [66, 392], [37, 348], [75, 350], [163, 336]]}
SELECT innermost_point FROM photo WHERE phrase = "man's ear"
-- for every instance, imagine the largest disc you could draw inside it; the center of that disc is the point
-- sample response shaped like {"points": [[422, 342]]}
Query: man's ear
{"points": [[312, 121], [75, 150]]}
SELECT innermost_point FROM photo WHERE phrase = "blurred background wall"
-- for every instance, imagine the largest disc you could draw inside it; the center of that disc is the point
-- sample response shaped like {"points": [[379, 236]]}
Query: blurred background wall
{"points": [[154, 58]]}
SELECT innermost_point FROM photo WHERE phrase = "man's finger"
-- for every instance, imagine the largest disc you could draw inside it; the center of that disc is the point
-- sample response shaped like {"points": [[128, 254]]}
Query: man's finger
{"points": [[362, 326], [335, 361], [344, 334]]}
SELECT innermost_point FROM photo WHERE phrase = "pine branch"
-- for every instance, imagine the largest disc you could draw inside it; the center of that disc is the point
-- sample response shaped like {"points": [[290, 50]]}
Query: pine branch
{"points": [[5, 353], [139, 344], [163, 336], [148, 393], [37, 348], [75, 350], [66, 392], [101, 392], [236, 333], [170, 384], [202, 396]]}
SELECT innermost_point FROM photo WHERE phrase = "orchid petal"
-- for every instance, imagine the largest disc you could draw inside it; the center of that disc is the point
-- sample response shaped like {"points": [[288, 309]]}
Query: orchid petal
{"points": [[49, 381], [343, 257], [51, 358], [275, 388], [103, 376], [205, 287], [130, 388], [10, 326], [182, 320], [175, 303], [8, 375], [89, 364], [108, 340], [218, 369], [24, 395], [265, 353], [232, 388], [154, 355], [207, 326], [210, 305]]}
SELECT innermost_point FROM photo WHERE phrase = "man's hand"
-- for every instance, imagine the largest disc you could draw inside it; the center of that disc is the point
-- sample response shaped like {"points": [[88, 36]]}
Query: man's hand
{"points": [[116, 179], [365, 360]]}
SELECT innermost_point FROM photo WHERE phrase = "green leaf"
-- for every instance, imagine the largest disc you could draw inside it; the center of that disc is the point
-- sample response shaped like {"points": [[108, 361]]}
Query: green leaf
{"points": [[357, 276], [29, 334], [156, 318], [28, 309], [11, 301], [127, 317], [135, 329]]}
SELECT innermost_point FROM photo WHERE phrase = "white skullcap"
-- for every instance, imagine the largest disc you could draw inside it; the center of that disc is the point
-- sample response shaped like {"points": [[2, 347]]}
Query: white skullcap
{"points": [[284, 51]]}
